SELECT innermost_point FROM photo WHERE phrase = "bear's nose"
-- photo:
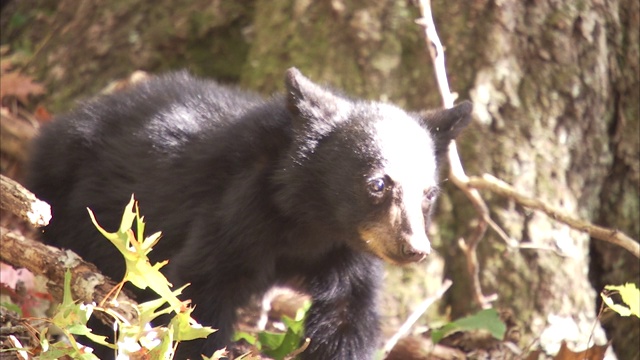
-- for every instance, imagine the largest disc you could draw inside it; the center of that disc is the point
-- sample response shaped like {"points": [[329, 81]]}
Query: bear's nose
{"points": [[411, 254]]}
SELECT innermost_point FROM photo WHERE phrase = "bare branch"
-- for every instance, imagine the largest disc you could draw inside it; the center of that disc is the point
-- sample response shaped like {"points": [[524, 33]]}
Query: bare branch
{"points": [[456, 173], [495, 185], [21, 202], [436, 51], [404, 329], [419, 347]]}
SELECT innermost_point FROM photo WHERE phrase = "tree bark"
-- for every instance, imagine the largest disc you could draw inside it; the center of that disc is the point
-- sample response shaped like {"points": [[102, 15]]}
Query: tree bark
{"points": [[544, 89]]}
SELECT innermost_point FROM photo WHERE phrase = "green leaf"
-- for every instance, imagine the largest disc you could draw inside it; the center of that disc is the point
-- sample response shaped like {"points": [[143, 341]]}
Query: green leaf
{"points": [[484, 320], [56, 351], [149, 310], [296, 325], [630, 296], [219, 354], [72, 317], [165, 346], [279, 345], [142, 274], [286, 343], [270, 340], [12, 307], [185, 328], [139, 270], [250, 338]]}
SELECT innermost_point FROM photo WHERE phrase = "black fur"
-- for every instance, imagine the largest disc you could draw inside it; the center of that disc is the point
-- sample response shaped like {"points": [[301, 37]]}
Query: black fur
{"points": [[248, 193]]}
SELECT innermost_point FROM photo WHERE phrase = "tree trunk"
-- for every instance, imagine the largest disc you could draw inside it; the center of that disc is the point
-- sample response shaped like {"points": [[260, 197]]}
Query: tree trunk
{"points": [[555, 88]]}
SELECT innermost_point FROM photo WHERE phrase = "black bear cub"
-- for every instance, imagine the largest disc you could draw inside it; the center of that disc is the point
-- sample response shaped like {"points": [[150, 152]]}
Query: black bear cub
{"points": [[252, 192]]}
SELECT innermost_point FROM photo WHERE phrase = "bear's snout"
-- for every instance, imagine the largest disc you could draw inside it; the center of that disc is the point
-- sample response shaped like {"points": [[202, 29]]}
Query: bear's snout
{"points": [[415, 249], [414, 243], [411, 254]]}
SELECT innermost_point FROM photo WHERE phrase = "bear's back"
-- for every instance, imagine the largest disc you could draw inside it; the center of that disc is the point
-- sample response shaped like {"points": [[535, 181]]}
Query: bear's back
{"points": [[162, 115], [167, 140]]}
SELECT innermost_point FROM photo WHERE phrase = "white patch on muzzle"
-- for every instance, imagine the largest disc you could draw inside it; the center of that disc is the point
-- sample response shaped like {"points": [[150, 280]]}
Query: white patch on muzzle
{"points": [[409, 159]]}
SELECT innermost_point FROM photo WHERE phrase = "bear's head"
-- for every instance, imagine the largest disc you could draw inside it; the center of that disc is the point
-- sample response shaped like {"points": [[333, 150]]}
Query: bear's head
{"points": [[368, 171]]}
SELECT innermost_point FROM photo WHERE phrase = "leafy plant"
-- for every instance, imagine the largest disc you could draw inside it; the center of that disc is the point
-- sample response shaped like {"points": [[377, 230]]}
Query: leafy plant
{"points": [[279, 345], [484, 320], [71, 318], [135, 339]]}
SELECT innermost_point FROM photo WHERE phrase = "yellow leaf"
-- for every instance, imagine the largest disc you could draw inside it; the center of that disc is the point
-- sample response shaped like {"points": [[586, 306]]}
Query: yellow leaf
{"points": [[620, 309], [630, 296]]}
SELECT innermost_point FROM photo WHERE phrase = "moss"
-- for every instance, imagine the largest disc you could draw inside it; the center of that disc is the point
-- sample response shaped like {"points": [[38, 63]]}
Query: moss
{"points": [[228, 42], [308, 45]]}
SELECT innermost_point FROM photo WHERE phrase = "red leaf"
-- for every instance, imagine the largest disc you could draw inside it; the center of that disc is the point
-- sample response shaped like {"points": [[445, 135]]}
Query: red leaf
{"points": [[20, 86], [42, 115], [596, 352]]}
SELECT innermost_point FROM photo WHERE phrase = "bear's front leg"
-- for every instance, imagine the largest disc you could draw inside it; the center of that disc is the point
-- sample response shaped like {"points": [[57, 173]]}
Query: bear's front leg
{"points": [[343, 320]]}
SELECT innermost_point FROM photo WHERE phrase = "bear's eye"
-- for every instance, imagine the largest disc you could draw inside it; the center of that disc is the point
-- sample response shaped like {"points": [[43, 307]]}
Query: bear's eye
{"points": [[377, 186]]}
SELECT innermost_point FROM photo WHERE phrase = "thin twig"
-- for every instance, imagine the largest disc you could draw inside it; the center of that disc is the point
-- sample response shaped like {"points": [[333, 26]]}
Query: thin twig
{"points": [[422, 307], [456, 173], [617, 237], [299, 350]]}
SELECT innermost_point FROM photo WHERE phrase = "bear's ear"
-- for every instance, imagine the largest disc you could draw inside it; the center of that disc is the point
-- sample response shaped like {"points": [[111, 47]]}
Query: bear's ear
{"points": [[314, 108], [445, 125]]}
